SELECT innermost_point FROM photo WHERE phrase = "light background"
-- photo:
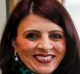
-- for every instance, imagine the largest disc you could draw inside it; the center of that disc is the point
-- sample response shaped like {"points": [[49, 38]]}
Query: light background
{"points": [[73, 7]]}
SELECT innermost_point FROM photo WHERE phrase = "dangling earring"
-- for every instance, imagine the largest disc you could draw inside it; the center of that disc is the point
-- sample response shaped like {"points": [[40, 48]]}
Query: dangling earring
{"points": [[16, 56]]}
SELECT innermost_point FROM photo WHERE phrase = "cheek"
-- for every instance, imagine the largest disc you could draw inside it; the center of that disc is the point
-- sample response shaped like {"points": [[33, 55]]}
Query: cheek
{"points": [[61, 47], [24, 44]]}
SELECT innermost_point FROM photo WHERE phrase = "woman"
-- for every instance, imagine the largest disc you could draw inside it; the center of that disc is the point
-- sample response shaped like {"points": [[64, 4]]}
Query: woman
{"points": [[39, 37]]}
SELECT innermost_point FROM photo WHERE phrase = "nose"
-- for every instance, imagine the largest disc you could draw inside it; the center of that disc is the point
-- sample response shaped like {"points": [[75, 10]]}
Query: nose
{"points": [[45, 44]]}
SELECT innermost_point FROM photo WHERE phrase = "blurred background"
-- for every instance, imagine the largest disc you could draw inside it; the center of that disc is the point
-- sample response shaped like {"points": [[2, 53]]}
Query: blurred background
{"points": [[72, 6]]}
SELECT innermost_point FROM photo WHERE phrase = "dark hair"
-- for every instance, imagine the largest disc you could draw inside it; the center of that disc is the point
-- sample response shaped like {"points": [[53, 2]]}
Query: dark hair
{"points": [[52, 10]]}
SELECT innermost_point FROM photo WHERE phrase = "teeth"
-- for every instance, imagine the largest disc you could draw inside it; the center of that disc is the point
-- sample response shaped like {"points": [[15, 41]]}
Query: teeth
{"points": [[44, 58]]}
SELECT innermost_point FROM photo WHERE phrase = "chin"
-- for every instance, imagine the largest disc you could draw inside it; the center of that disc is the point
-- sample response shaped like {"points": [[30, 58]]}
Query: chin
{"points": [[44, 70]]}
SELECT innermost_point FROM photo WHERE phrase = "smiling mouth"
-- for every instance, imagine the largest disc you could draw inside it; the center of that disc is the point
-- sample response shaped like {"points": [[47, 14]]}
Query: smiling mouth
{"points": [[42, 58]]}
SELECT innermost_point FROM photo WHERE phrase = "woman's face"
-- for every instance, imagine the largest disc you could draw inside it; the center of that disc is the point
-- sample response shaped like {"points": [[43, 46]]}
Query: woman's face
{"points": [[40, 44]]}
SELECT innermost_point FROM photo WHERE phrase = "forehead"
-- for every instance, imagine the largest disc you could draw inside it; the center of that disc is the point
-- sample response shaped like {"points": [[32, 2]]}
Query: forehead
{"points": [[38, 23]]}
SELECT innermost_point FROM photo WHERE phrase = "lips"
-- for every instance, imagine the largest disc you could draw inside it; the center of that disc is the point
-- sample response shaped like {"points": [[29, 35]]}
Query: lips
{"points": [[44, 58]]}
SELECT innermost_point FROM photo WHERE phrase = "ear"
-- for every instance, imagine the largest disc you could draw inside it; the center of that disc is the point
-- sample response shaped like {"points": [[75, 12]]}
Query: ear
{"points": [[14, 44]]}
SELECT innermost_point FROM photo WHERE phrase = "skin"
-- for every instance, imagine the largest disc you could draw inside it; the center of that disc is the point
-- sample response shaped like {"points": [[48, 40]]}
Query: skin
{"points": [[47, 42]]}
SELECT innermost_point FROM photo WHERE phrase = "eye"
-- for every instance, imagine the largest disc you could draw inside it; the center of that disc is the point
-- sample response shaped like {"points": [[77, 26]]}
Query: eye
{"points": [[55, 36], [32, 36]]}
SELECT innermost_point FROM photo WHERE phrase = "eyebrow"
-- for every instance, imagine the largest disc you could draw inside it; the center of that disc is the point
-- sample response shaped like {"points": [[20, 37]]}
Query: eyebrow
{"points": [[27, 31], [56, 31]]}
